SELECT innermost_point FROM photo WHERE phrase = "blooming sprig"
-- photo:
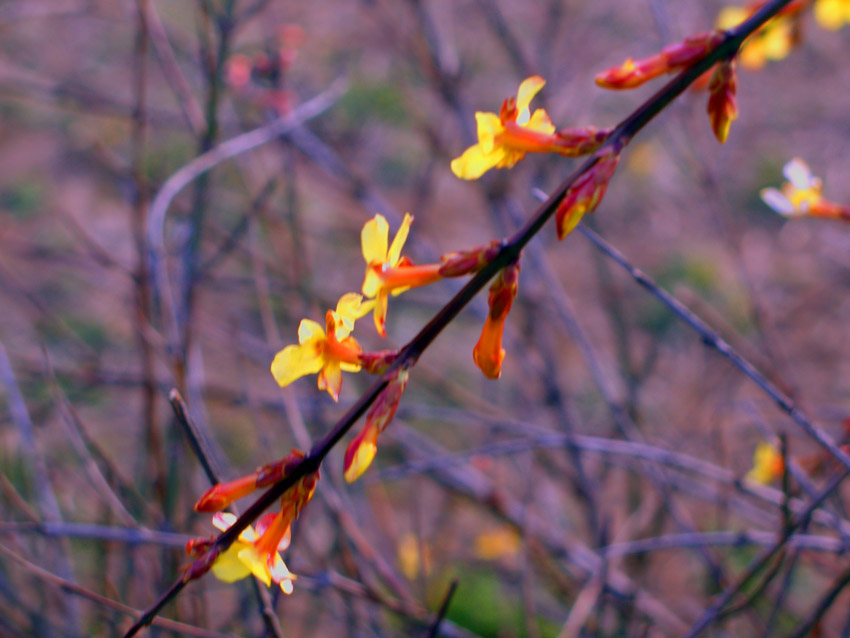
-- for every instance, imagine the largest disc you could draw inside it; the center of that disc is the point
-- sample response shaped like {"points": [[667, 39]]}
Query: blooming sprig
{"points": [[254, 552], [504, 139], [801, 195], [245, 556], [387, 272], [327, 351]]}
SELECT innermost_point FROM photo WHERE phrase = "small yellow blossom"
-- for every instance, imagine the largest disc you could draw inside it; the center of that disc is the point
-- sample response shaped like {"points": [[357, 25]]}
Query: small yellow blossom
{"points": [[255, 552], [768, 464], [328, 351], [832, 14], [801, 195], [386, 270], [504, 139]]}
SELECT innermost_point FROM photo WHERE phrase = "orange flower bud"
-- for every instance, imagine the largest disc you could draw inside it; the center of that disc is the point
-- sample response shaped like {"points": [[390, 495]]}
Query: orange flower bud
{"points": [[364, 446], [488, 353], [223, 494], [633, 73], [585, 194], [722, 107]]}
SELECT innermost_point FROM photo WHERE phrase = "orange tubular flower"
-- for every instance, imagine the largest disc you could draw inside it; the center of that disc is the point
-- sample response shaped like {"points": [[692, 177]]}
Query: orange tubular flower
{"points": [[722, 107], [488, 353], [675, 57], [801, 195], [364, 446], [328, 351], [221, 495], [504, 139], [585, 194], [387, 272]]}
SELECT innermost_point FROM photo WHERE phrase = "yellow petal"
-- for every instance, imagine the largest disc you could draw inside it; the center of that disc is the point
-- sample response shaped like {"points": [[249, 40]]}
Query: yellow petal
{"points": [[489, 126], [527, 90], [309, 330], [294, 362], [330, 379], [224, 521], [730, 17], [372, 283], [475, 162], [394, 253], [540, 122], [256, 562], [373, 239], [228, 567], [349, 309], [381, 313]]}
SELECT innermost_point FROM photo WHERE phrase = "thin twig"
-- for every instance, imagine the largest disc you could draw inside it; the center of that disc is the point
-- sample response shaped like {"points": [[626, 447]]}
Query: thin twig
{"points": [[444, 608]]}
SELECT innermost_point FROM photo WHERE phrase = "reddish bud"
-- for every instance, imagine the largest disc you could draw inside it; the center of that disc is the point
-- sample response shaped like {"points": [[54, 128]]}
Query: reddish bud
{"points": [[722, 107], [586, 192], [633, 73]]}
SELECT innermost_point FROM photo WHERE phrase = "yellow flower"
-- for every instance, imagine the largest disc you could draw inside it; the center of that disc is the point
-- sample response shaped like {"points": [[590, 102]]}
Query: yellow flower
{"points": [[255, 552], [773, 41], [386, 270], [768, 464], [328, 351], [504, 139], [832, 14], [801, 195]]}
